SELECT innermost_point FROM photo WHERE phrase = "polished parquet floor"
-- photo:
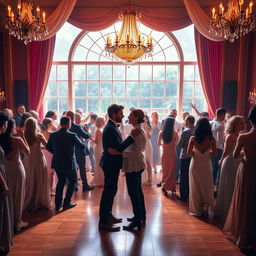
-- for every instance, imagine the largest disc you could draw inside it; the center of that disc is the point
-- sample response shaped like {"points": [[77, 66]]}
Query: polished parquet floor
{"points": [[169, 229]]}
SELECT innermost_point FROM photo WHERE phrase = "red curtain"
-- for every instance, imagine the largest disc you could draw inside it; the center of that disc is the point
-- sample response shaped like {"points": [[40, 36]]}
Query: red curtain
{"points": [[40, 56], [209, 57], [160, 19]]}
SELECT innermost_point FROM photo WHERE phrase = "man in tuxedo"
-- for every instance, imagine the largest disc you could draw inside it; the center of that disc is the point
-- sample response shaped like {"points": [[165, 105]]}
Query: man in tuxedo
{"points": [[80, 153], [20, 111], [62, 145], [111, 165]]}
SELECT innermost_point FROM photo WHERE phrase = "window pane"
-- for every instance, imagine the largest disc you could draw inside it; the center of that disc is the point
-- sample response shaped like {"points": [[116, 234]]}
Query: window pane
{"points": [[106, 89], [132, 72], [80, 54], [188, 89], [79, 72], [145, 89], [52, 104], [171, 54], [63, 89], [80, 103], [172, 72], [92, 72], [197, 77], [171, 89], [145, 104], [120, 102], [119, 89], [53, 73], [119, 72], [132, 89], [145, 72], [186, 105], [104, 105], [158, 89], [200, 105], [170, 104], [157, 103], [158, 72], [93, 89], [93, 105], [199, 90], [63, 105], [188, 72], [51, 89], [106, 72], [62, 72], [132, 103], [79, 89]]}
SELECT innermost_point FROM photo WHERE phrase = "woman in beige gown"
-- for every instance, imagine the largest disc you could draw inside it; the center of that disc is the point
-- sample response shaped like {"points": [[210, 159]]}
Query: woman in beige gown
{"points": [[37, 182], [201, 147], [15, 172], [241, 219], [6, 225], [229, 166]]}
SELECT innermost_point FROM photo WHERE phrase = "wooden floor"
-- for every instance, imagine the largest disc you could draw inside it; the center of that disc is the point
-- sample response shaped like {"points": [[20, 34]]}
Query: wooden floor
{"points": [[169, 230]]}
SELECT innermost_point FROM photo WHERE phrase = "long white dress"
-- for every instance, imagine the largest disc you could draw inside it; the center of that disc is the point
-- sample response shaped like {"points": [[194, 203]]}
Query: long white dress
{"points": [[148, 158], [98, 172], [200, 182], [16, 177]]}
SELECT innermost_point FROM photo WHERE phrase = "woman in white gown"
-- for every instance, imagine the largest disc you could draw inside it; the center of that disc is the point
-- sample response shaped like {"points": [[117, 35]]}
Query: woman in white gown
{"points": [[201, 147], [147, 175], [97, 150], [15, 172]]}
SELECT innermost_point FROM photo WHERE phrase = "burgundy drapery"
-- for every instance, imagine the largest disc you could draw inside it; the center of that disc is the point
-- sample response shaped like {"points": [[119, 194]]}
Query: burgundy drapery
{"points": [[209, 57], [160, 19], [40, 56]]}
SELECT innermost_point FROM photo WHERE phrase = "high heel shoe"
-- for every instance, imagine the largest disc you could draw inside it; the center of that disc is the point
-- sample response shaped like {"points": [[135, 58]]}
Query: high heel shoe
{"points": [[132, 226], [164, 192]]}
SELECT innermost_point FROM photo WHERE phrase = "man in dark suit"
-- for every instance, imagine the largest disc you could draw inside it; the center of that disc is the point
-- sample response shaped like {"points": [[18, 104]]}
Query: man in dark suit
{"points": [[80, 153], [20, 111], [62, 145], [111, 165]]}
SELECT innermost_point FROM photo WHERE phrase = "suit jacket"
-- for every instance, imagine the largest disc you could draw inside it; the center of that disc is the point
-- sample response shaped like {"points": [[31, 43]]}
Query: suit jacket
{"points": [[17, 119], [111, 138], [62, 145], [77, 129]]}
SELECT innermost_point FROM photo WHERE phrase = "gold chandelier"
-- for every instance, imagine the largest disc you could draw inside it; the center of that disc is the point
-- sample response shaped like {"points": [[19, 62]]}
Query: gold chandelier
{"points": [[24, 25], [129, 45], [252, 97], [2, 97], [237, 21]]}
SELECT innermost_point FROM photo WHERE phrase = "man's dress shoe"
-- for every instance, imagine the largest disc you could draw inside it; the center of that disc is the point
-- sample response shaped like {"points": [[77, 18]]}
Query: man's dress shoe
{"points": [[109, 227], [68, 206], [115, 220]]}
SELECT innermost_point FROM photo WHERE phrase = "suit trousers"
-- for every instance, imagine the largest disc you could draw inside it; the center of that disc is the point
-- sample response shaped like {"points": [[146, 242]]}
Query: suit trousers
{"points": [[71, 176], [215, 166], [80, 159], [133, 181], [184, 178], [110, 188]]}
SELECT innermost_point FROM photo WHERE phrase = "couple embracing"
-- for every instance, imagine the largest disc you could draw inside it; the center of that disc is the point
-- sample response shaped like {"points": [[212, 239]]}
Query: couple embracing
{"points": [[127, 154]]}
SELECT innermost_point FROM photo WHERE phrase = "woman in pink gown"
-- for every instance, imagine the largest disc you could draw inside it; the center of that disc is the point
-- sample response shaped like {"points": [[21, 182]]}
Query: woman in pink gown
{"points": [[168, 138]]}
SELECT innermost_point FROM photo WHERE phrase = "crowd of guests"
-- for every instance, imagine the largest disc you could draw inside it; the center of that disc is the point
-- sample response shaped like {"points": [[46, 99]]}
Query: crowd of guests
{"points": [[207, 158]]}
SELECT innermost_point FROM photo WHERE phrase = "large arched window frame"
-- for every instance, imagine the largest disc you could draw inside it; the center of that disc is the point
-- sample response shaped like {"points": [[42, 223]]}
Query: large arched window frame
{"points": [[63, 81]]}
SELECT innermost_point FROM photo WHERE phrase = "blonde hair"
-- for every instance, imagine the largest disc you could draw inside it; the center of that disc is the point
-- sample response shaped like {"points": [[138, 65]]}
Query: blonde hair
{"points": [[232, 123], [31, 131], [155, 113], [98, 121]]}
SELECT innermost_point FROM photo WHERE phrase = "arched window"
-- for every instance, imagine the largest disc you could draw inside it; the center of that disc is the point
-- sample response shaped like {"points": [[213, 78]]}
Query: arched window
{"points": [[83, 76]]}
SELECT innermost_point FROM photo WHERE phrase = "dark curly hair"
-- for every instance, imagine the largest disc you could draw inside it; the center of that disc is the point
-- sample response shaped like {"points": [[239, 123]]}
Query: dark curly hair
{"points": [[168, 129], [203, 129]]}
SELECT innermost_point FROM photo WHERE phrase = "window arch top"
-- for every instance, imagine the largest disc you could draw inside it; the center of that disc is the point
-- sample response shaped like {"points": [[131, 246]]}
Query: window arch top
{"points": [[90, 46]]}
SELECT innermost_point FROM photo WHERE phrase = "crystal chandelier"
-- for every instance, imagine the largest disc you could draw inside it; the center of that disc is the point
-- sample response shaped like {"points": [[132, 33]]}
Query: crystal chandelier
{"points": [[252, 97], [24, 25], [2, 97], [129, 45], [237, 21]]}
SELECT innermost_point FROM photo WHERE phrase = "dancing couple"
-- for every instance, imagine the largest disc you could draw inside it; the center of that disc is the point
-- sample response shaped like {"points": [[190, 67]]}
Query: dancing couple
{"points": [[128, 155]]}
